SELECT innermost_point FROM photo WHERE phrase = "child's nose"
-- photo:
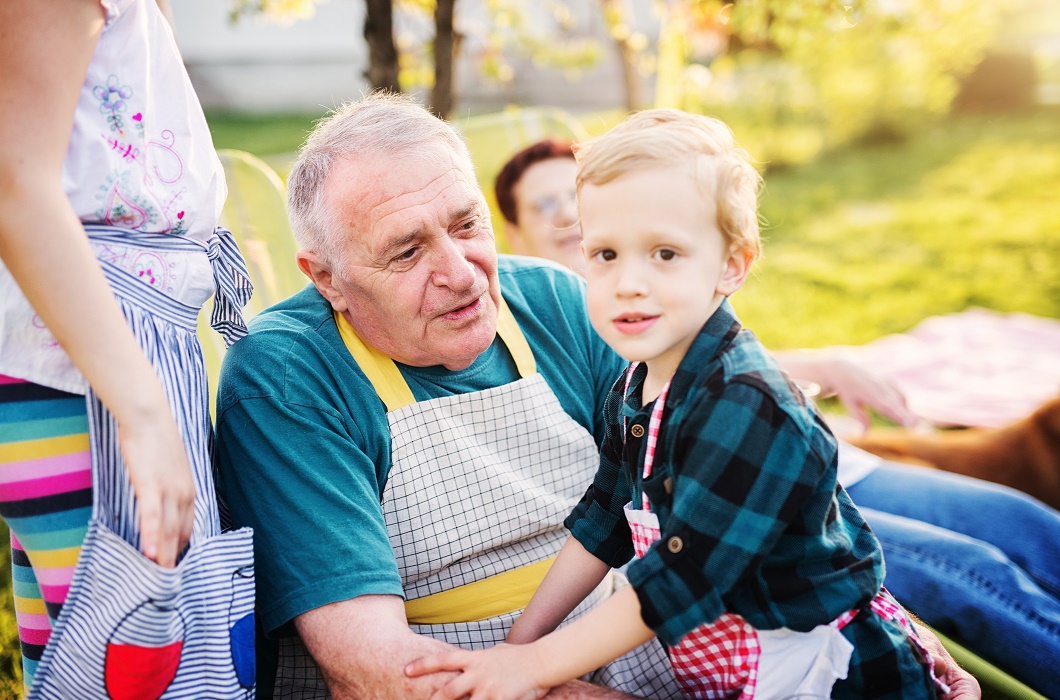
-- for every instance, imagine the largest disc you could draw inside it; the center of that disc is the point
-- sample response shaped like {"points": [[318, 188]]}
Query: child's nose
{"points": [[630, 280]]}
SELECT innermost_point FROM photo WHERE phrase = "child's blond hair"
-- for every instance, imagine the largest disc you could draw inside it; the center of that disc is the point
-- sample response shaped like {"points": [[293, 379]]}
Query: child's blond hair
{"points": [[667, 138]]}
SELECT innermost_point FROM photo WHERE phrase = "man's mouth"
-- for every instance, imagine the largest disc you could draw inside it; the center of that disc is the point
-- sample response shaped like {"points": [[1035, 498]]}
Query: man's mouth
{"points": [[464, 310]]}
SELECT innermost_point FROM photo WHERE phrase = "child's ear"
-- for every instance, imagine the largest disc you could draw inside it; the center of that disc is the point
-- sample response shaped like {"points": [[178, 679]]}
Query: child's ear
{"points": [[735, 271]]}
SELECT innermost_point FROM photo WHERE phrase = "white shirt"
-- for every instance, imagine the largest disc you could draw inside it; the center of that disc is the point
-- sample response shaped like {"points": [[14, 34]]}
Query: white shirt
{"points": [[140, 157]]}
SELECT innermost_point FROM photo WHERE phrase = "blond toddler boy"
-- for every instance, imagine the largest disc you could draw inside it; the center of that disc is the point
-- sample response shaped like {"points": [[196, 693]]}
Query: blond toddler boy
{"points": [[717, 476]]}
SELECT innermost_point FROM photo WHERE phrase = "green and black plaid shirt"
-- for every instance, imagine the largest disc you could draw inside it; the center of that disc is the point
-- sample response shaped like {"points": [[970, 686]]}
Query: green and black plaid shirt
{"points": [[744, 484]]}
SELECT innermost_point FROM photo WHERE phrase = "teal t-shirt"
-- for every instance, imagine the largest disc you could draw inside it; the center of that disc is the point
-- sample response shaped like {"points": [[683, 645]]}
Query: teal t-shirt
{"points": [[303, 443]]}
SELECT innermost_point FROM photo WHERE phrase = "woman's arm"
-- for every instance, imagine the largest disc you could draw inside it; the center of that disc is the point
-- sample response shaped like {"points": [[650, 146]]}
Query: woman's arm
{"points": [[857, 388], [572, 577], [45, 49]]}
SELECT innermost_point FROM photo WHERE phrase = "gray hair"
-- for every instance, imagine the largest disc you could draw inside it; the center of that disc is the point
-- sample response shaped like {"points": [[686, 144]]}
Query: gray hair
{"points": [[380, 124]]}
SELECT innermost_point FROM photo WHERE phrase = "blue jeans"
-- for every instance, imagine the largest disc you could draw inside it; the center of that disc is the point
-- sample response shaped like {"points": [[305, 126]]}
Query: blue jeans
{"points": [[975, 560]]}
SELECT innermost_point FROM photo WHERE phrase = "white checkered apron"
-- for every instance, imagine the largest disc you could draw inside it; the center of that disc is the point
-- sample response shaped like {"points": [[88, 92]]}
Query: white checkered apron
{"points": [[480, 484]]}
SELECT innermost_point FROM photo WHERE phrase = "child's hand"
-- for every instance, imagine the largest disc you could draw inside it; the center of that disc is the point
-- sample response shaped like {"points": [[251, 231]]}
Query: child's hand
{"points": [[503, 672], [161, 479]]}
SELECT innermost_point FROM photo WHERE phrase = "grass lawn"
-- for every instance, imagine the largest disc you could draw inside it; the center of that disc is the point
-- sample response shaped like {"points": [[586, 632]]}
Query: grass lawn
{"points": [[872, 240], [864, 242]]}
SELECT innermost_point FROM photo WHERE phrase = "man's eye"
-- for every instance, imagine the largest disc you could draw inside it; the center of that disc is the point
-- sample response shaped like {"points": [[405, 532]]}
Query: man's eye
{"points": [[407, 255], [468, 227]]}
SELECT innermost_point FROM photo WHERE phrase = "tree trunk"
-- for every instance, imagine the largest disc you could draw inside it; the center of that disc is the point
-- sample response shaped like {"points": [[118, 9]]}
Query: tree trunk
{"points": [[613, 16], [445, 46], [630, 76], [382, 51]]}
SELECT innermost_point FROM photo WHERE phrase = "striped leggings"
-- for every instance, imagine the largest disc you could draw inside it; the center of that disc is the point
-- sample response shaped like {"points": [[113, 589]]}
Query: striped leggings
{"points": [[46, 501]]}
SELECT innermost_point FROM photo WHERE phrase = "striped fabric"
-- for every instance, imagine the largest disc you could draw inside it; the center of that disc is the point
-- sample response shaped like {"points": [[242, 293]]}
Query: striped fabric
{"points": [[45, 499], [129, 628]]}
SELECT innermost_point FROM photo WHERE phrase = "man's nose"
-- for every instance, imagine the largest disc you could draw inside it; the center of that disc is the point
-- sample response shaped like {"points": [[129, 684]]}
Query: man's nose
{"points": [[453, 269]]}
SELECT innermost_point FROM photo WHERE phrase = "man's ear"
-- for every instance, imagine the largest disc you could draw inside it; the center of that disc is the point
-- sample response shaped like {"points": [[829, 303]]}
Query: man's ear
{"points": [[735, 271], [320, 272]]}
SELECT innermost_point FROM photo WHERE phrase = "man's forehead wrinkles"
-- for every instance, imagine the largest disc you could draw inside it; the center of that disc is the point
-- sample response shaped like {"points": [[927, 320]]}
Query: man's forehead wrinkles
{"points": [[397, 191], [421, 212]]}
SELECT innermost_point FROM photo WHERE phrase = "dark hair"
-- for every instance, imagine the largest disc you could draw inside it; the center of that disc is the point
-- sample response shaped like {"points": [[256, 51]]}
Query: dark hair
{"points": [[512, 172]]}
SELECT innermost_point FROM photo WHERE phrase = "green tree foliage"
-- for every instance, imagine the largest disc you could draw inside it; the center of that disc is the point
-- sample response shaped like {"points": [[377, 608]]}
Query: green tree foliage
{"points": [[803, 76]]}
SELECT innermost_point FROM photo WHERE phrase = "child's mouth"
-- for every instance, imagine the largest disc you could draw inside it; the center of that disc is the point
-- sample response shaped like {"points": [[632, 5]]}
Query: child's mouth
{"points": [[633, 324]]}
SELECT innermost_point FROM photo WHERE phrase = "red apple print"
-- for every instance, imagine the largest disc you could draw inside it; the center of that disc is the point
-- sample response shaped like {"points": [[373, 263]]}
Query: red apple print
{"points": [[137, 117], [180, 215]]}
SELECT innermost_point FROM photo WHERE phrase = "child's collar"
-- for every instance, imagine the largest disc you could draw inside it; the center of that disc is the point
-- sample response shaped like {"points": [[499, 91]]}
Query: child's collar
{"points": [[717, 333]]}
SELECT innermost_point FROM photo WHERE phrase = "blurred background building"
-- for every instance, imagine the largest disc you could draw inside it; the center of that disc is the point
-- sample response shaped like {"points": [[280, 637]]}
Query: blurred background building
{"points": [[562, 54]]}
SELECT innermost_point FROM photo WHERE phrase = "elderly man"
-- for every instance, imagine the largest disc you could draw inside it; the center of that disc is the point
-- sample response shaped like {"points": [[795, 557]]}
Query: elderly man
{"points": [[402, 429], [407, 434]]}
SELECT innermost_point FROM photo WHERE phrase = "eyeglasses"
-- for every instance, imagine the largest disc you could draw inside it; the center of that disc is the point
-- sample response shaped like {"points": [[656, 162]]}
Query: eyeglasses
{"points": [[551, 205]]}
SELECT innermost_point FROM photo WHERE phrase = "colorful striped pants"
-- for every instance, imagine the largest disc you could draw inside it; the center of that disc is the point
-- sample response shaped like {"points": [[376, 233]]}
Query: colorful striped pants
{"points": [[46, 501]]}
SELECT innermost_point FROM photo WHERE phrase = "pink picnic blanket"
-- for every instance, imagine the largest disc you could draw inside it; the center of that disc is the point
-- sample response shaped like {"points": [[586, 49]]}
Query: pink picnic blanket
{"points": [[974, 368]]}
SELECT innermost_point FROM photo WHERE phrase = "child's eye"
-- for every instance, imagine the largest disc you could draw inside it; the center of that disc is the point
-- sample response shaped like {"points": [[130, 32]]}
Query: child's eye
{"points": [[605, 255], [666, 254]]}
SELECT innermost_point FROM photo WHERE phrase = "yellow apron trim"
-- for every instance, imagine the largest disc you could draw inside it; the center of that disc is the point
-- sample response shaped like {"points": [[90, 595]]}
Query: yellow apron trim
{"points": [[380, 369], [386, 378], [513, 338], [44, 447], [497, 595]]}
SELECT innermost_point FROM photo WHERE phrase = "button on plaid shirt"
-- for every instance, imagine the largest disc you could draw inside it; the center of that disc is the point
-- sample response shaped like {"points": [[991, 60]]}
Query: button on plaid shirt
{"points": [[745, 479]]}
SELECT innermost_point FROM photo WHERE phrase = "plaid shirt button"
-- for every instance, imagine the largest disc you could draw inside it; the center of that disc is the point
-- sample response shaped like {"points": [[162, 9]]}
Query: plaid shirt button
{"points": [[675, 545], [637, 430]]}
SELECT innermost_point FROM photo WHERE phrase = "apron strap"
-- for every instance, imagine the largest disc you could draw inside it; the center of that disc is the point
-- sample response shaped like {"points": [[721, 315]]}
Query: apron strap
{"points": [[380, 369], [513, 338], [386, 378], [233, 286]]}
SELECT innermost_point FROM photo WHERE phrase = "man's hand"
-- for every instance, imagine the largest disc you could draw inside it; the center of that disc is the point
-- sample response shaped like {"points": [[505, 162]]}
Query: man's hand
{"points": [[963, 685], [362, 646]]}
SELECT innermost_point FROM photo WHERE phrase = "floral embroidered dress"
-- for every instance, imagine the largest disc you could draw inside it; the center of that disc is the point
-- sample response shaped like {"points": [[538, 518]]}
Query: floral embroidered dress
{"points": [[96, 619], [140, 158]]}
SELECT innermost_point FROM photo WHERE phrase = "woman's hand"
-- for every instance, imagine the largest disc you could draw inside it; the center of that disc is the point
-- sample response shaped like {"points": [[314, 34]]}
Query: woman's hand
{"points": [[157, 463], [503, 672], [857, 388]]}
